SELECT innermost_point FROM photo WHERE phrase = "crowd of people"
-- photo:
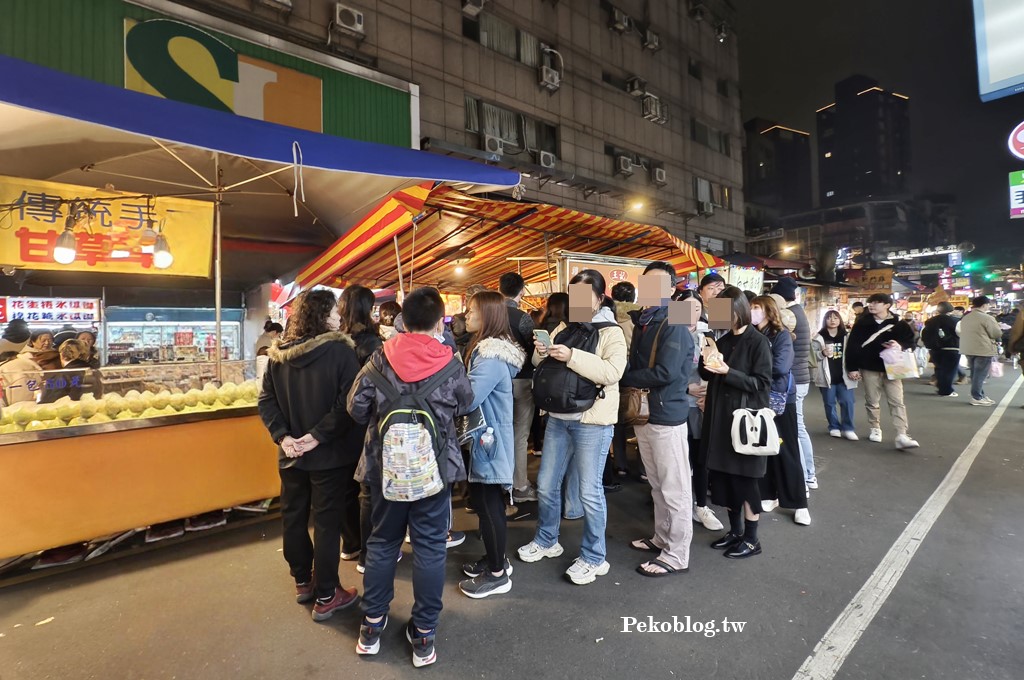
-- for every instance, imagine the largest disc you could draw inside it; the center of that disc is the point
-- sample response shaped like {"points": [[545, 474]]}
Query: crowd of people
{"points": [[26, 355], [376, 421]]}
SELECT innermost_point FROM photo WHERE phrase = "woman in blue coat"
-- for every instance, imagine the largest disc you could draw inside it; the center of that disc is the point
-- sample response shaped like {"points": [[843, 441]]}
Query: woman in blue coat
{"points": [[493, 359]]}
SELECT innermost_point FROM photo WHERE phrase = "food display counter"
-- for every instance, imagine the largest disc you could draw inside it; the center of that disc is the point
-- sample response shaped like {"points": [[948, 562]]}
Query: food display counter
{"points": [[142, 335], [127, 448]]}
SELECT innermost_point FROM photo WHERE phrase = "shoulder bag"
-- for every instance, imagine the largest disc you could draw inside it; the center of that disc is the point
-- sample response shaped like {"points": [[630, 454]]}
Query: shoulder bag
{"points": [[750, 426], [634, 407]]}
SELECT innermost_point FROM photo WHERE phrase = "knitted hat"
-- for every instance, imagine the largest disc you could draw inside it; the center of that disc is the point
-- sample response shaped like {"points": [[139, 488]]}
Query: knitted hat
{"points": [[17, 331], [786, 287]]}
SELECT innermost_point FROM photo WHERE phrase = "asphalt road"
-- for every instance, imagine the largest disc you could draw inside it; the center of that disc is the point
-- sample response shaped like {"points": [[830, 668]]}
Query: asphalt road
{"points": [[222, 607]]}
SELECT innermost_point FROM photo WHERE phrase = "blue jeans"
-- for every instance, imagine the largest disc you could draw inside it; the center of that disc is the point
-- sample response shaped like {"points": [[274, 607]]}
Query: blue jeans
{"points": [[584, 447], [842, 395], [980, 367], [806, 448], [571, 492]]}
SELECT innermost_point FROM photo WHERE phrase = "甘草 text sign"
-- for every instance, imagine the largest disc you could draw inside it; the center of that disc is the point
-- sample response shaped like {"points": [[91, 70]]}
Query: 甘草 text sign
{"points": [[33, 214]]}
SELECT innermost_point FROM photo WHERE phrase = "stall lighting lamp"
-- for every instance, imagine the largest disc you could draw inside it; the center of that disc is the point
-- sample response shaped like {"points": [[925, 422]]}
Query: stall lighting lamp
{"points": [[162, 257], [65, 250]]}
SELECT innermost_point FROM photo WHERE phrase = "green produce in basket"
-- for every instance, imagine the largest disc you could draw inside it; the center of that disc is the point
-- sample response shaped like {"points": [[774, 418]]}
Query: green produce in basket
{"points": [[161, 400], [192, 397], [228, 393], [209, 396], [114, 404], [46, 412], [74, 422], [125, 415], [35, 425], [68, 410], [136, 404], [151, 413], [89, 406], [10, 428], [24, 414], [177, 401], [100, 418]]}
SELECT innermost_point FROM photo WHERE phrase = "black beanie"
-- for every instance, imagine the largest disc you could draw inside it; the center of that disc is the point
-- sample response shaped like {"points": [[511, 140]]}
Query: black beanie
{"points": [[17, 331]]}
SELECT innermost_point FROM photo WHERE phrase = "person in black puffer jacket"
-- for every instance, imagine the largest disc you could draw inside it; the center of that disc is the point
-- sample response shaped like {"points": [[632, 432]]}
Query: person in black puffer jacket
{"points": [[787, 287], [939, 336], [303, 406]]}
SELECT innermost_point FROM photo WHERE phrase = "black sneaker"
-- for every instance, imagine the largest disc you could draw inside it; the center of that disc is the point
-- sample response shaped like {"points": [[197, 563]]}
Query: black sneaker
{"points": [[474, 569], [423, 653], [369, 636], [486, 584]]}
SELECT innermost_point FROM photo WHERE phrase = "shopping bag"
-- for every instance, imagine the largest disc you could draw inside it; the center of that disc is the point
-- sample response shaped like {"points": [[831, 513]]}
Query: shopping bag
{"points": [[900, 365], [997, 368]]}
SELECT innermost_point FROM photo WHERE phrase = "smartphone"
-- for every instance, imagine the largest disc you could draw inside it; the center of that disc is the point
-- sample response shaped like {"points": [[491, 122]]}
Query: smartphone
{"points": [[542, 337]]}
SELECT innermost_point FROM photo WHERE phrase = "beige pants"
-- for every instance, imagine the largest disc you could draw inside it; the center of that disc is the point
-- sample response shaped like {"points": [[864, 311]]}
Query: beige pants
{"points": [[664, 452], [874, 384]]}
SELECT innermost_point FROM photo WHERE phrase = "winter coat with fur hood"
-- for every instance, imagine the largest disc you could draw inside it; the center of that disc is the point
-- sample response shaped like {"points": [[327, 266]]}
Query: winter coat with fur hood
{"points": [[304, 391], [493, 365]]}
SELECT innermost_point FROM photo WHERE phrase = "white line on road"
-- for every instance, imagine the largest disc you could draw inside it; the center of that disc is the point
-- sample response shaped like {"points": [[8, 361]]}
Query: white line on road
{"points": [[831, 652]]}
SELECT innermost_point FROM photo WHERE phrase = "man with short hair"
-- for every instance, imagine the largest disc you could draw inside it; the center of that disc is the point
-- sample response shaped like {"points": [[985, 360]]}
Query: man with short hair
{"points": [[787, 287], [939, 336], [875, 330], [512, 287], [979, 337]]}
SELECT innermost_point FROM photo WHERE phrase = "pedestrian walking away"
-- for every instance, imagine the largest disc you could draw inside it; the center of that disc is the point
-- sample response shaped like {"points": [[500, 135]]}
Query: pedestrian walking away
{"points": [[979, 342], [940, 338]]}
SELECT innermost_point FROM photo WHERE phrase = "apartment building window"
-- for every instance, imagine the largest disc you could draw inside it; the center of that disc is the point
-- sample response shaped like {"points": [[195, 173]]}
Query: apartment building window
{"points": [[706, 191], [517, 130], [711, 244], [694, 69], [499, 35], [710, 137], [723, 87]]}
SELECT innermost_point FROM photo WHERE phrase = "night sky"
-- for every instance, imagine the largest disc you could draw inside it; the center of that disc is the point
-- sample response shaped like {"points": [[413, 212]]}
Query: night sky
{"points": [[792, 52]]}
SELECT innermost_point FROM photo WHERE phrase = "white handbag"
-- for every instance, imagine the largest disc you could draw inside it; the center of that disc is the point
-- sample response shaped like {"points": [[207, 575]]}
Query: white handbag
{"points": [[749, 427]]}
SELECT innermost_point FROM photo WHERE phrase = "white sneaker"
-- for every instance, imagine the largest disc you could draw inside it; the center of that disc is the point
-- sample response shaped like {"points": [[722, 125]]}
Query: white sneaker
{"points": [[531, 552], [812, 483], [581, 573], [768, 506], [706, 516], [904, 441], [876, 434], [802, 516], [835, 433], [851, 435]]}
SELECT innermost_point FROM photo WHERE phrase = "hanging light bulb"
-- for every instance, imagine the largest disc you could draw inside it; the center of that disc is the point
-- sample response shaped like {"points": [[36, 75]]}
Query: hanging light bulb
{"points": [[148, 235], [162, 258], [65, 250]]}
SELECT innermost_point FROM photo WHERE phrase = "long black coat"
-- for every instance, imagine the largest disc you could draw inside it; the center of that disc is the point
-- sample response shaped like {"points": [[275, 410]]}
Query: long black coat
{"points": [[746, 385]]}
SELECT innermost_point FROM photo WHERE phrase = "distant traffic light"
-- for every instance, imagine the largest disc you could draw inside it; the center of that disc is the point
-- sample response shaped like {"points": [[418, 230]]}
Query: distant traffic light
{"points": [[968, 266]]}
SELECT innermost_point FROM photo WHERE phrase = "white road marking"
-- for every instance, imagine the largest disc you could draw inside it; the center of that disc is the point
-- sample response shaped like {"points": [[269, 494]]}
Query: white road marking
{"points": [[45, 621], [838, 642]]}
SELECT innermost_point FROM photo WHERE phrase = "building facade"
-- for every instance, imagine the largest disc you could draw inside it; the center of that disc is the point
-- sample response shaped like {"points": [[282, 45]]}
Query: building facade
{"points": [[629, 109], [863, 143], [776, 172]]}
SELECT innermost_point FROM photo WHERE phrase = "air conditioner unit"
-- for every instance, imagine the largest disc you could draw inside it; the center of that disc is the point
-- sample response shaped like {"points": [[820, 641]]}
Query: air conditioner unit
{"points": [[546, 159], [705, 208], [549, 78], [623, 166], [472, 8], [651, 107], [495, 145], [282, 5], [652, 41], [620, 21], [636, 86], [659, 176], [349, 20]]}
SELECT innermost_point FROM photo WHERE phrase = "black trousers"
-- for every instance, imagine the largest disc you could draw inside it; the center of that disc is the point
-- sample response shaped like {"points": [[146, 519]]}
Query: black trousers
{"points": [[324, 494], [489, 501], [947, 363], [700, 472]]}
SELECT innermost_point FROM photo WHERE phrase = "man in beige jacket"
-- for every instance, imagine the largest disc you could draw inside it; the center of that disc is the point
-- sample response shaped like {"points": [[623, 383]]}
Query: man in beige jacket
{"points": [[979, 337]]}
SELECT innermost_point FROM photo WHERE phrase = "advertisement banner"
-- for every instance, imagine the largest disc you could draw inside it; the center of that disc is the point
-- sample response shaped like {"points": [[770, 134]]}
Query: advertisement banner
{"points": [[871, 281], [1017, 194], [111, 239], [52, 310], [745, 278], [612, 273]]}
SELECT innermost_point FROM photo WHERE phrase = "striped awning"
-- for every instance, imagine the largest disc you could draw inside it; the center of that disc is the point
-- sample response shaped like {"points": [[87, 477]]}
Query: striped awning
{"points": [[482, 235], [391, 216]]}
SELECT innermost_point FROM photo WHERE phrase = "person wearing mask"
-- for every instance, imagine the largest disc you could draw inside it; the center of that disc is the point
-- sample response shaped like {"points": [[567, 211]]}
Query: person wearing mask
{"points": [[15, 338], [624, 294], [303, 407], [875, 330], [828, 348], [979, 342], [355, 308], [940, 338], [461, 335], [91, 357], [69, 382], [783, 482], [512, 287], [410, 360], [787, 288], [581, 439], [493, 359], [271, 332], [387, 313], [739, 378], [662, 440]]}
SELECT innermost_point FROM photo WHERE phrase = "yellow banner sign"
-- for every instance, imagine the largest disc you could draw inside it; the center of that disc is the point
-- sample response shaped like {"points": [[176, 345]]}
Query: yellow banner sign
{"points": [[111, 233]]}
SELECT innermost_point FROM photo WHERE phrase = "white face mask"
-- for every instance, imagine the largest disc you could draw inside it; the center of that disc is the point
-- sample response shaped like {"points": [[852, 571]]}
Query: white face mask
{"points": [[756, 316]]}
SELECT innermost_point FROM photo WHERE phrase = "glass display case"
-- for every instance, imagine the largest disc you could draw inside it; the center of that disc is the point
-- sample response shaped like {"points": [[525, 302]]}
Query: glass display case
{"points": [[139, 335]]}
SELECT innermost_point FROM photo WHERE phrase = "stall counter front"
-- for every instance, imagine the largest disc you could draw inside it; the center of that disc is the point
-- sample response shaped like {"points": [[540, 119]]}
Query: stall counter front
{"points": [[59, 490]]}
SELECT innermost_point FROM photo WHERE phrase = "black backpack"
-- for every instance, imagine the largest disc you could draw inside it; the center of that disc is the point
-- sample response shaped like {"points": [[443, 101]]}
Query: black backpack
{"points": [[559, 389], [411, 437]]}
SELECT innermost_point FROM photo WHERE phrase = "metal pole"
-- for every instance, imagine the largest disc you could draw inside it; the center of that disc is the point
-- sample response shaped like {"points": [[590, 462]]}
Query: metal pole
{"points": [[218, 282], [105, 352], [398, 263]]}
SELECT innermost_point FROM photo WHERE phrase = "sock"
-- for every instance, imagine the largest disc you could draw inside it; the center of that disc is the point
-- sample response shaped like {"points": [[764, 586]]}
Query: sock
{"points": [[736, 522], [750, 534]]}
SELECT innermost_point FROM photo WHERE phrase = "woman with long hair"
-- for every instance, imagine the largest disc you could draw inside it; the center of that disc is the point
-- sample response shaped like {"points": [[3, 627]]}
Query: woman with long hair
{"points": [[388, 312], [828, 346], [739, 375], [303, 406], [555, 312], [582, 439], [493, 358], [783, 482]]}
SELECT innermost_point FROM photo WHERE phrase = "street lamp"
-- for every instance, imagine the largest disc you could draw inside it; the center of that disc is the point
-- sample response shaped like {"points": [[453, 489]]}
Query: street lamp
{"points": [[785, 250]]}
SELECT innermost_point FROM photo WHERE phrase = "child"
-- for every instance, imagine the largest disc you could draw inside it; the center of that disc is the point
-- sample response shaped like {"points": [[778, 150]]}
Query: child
{"points": [[406, 361]]}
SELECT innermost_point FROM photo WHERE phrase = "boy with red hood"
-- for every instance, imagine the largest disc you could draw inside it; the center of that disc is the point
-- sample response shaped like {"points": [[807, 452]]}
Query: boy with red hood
{"points": [[406, 360]]}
